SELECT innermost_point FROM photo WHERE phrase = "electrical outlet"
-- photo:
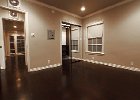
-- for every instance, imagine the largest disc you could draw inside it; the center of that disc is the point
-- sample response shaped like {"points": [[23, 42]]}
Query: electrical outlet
{"points": [[131, 63], [49, 61]]}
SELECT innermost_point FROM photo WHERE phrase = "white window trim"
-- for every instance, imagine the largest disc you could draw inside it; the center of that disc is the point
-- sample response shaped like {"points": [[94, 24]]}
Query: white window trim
{"points": [[77, 51], [86, 38]]}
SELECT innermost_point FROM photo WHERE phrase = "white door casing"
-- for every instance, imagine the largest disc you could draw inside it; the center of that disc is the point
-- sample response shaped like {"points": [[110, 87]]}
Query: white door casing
{"points": [[2, 51]]}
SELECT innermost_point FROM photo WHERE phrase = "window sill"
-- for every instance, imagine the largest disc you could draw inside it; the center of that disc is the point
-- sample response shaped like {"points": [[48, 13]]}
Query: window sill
{"points": [[75, 51], [92, 53]]}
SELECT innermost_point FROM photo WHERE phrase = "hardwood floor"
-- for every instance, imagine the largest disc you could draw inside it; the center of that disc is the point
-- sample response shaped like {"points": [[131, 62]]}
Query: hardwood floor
{"points": [[72, 81]]}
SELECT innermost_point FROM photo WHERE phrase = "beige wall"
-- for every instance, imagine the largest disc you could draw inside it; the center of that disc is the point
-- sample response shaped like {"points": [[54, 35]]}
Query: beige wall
{"points": [[40, 20], [6, 43], [121, 34]]}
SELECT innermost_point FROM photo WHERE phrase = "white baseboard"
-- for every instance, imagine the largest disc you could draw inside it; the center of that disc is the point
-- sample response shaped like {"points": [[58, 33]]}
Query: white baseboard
{"points": [[131, 68], [45, 67], [2, 68]]}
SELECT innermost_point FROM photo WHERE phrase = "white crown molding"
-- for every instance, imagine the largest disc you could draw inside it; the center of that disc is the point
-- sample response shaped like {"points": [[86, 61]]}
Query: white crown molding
{"points": [[107, 8], [54, 8], [45, 67], [131, 68], [13, 9], [74, 15], [66, 12]]}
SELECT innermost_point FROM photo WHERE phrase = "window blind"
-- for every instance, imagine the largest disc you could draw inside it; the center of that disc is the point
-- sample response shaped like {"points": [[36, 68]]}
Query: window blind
{"points": [[75, 34], [95, 31]]}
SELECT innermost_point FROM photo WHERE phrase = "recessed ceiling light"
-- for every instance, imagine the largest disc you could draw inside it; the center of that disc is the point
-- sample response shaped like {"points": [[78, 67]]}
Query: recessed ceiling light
{"points": [[83, 8], [15, 26]]}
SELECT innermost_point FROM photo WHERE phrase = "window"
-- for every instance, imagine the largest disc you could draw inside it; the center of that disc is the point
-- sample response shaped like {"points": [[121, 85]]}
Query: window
{"points": [[95, 38], [20, 44], [17, 44], [75, 39], [75, 45]]}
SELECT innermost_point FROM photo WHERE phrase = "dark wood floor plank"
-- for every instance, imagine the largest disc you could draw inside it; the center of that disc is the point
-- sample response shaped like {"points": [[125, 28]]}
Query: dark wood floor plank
{"points": [[73, 81]]}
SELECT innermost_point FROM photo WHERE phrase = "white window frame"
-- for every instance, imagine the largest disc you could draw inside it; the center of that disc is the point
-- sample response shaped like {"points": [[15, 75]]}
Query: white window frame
{"points": [[93, 24], [78, 39]]}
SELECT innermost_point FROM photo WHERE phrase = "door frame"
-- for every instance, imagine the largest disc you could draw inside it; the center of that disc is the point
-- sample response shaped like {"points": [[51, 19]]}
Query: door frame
{"points": [[61, 58], [26, 32], [61, 21]]}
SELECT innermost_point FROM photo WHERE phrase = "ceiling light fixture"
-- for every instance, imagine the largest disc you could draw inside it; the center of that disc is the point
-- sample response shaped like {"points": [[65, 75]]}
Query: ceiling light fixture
{"points": [[15, 26], [83, 8]]}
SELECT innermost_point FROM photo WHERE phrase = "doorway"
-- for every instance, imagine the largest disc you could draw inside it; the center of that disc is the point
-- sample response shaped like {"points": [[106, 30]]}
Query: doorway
{"points": [[66, 41], [14, 43], [71, 47], [66, 48]]}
